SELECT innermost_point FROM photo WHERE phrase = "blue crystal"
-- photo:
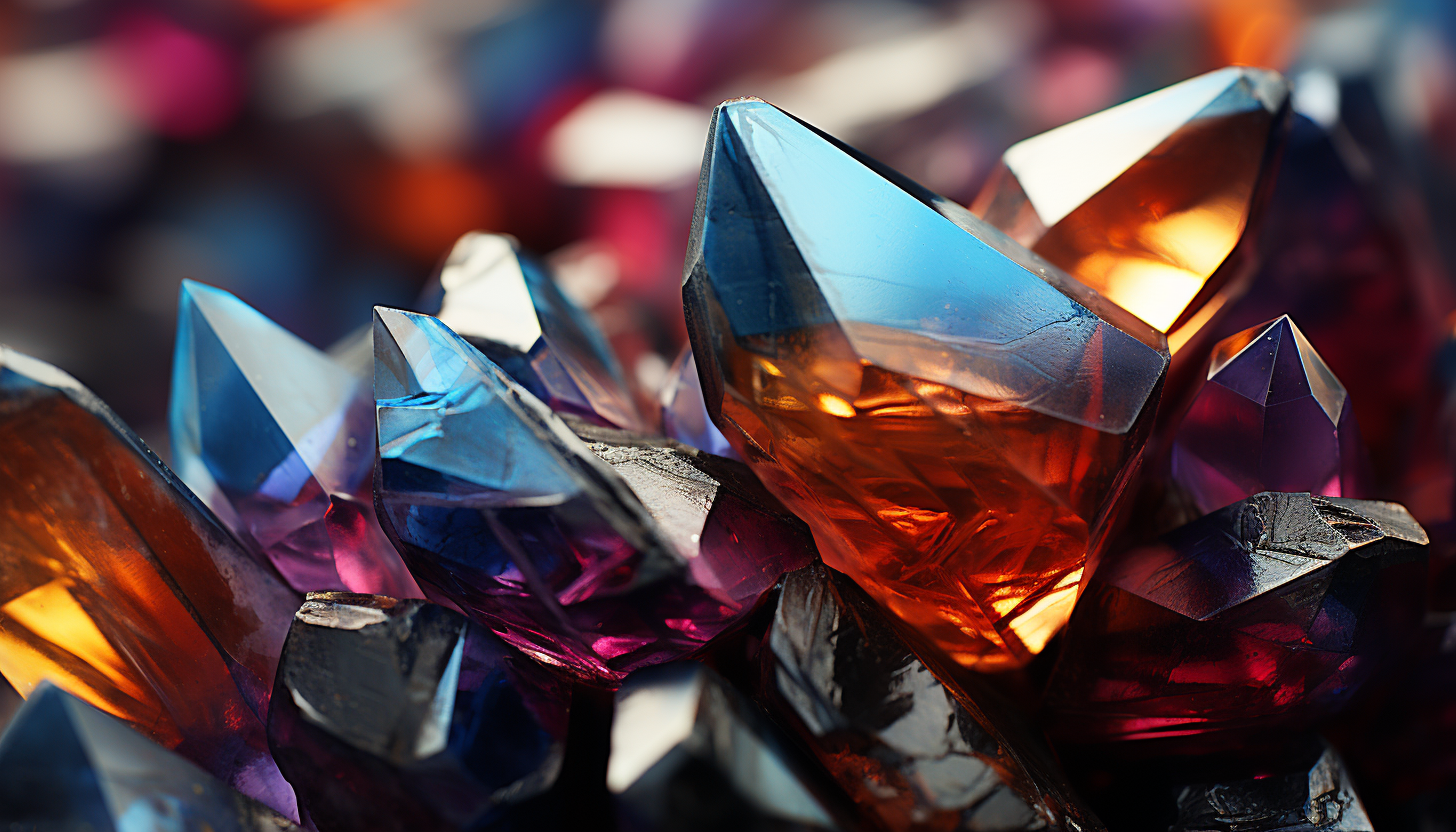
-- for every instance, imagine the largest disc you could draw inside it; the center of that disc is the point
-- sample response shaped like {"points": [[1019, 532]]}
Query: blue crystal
{"points": [[67, 765]]}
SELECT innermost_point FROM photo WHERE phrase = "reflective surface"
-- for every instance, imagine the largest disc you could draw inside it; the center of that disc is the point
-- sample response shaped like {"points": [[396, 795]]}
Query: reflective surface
{"points": [[954, 418], [684, 414], [404, 715], [66, 765], [1261, 618], [277, 438], [1146, 200], [602, 555], [121, 588], [913, 753], [1270, 417]]}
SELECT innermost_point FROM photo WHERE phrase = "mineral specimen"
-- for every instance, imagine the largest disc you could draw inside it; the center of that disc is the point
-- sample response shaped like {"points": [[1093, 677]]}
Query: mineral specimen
{"points": [[602, 558], [684, 414], [954, 418], [1317, 795], [278, 439]]}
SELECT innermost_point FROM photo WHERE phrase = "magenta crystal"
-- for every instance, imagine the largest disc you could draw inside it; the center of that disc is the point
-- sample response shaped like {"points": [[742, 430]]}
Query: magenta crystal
{"points": [[1270, 417]]}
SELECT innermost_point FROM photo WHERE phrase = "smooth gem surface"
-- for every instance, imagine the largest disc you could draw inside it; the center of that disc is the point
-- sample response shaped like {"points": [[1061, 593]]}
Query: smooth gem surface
{"points": [[684, 414]]}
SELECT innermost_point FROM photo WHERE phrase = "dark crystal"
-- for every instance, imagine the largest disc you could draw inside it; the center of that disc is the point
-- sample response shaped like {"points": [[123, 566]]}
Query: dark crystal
{"points": [[1314, 795], [404, 715], [914, 753]]}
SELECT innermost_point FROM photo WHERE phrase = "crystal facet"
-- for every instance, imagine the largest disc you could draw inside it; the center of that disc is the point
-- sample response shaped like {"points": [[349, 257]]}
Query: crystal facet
{"points": [[685, 415], [277, 438], [912, 752], [123, 589], [1262, 617], [1145, 201], [506, 305], [954, 418], [690, 753], [1271, 417], [404, 715], [66, 765], [602, 558], [1315, 797]]}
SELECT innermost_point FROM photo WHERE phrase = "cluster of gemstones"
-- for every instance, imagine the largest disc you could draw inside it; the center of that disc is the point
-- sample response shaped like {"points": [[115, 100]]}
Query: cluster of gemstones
{"points": [[1009, 517]]}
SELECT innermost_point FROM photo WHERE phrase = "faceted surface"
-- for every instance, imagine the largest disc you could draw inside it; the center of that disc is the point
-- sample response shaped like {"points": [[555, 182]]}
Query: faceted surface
{"points": [[1316, 796], [601, 558], [508, 307], [404, 715], [690, 753], [684, 414], [277, 438], [954, 418], [1270, 417], [123, 589], [66, 765], [1262, 617], [911, 751], [1146, 200]]}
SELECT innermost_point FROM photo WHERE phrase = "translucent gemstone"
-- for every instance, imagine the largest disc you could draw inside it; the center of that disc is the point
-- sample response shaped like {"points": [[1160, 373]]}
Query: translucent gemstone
{"points": [[123, 589], [684, 413], [1316, 794], [912, 752], [404, 715], [1270, 417], [1258, 619], [67, 765], [506, 305], [278, 439], [1146, 201], [955, 419], [689, 753], [600, 557]]}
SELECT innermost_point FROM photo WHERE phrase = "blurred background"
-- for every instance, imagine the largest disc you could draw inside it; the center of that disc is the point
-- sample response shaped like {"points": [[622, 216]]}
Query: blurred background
{"points": [[317, 157]]}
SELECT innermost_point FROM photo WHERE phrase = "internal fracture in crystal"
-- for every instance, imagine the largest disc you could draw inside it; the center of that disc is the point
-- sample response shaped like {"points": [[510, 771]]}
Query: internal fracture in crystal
{"points": [[67, 765], [912, 752], [601, 553], [403, 715], [1259, 619], [954, 418], [122, 588], [278, 439]]}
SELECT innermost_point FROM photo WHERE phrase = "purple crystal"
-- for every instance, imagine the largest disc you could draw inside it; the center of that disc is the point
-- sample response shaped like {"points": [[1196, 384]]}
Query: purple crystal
{"points": [[685, 414], [602, 555], [1271, 417]]}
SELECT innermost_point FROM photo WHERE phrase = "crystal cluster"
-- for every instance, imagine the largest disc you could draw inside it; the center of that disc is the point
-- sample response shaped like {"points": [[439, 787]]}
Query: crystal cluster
{"points": [[600, 557]]}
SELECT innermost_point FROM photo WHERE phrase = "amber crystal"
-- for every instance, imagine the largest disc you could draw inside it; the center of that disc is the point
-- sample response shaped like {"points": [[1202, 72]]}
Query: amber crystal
{"points": [[954, 418], [121, 588], [1146, 201]]}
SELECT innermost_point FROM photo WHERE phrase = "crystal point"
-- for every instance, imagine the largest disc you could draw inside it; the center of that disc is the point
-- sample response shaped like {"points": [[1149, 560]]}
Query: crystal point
{"points": [[1270, 417], [67, 765], [1145, 201], [954, 418], [601, 553], [912, 752], [122, 588], [1260, 618], [276, 437], [685, 414], [404, 715], [507, 305]]}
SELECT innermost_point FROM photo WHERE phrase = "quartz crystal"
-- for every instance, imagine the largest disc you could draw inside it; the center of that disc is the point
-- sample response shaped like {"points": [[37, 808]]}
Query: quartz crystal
{"points": [[65, 765], [277, 438], [690, 753], [602, 555], [1316, 796], [954, 418], [119, 586], [684, 414], [1146, 201], [1262, 617], [404, 715], [912, 752], [506, 304], [1270, 417]]}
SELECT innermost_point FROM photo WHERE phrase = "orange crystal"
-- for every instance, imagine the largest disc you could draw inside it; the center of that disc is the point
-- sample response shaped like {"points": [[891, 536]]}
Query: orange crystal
{"points": [[1147, 201], [955, 419]]}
